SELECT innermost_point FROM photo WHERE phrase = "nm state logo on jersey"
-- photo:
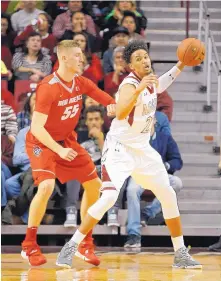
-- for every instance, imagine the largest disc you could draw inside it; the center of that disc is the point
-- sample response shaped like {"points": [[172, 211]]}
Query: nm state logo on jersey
{"points": [[37, 150]]}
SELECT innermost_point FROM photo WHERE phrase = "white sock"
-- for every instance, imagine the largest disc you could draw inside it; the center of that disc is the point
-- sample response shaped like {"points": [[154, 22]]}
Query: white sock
{"points": [[78, 237], [178, 242]]}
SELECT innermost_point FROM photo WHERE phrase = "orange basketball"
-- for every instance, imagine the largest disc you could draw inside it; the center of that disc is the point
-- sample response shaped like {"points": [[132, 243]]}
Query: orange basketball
{"points": [[191, 52]]}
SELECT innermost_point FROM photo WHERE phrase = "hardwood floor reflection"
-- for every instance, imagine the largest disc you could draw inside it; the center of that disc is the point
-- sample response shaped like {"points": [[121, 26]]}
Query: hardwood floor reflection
{"points": [[115, 266]]}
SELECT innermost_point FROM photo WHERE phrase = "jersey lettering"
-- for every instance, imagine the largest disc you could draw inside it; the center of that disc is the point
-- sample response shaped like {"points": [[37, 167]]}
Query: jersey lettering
{"points": [[148, 125], [70, 112]]}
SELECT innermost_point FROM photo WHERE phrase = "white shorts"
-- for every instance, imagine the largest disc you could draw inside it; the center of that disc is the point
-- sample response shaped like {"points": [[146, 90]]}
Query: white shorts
{"points": [[120, 161]]}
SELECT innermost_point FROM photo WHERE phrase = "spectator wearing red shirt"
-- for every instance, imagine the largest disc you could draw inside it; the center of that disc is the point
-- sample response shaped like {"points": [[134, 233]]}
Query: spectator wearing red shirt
{"points": [[113, 80], [42, 26], [92, 64], [165, 104], [63, 21], [8, 98], [92, 68]]}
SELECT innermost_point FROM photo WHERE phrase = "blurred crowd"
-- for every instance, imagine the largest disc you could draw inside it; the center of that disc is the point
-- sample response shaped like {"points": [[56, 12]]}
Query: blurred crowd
{"points": [[29, 34]]}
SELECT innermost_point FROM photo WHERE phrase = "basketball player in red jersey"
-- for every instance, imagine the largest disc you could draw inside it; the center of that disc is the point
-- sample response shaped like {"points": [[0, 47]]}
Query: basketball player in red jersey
{"points": [[53, 149]]}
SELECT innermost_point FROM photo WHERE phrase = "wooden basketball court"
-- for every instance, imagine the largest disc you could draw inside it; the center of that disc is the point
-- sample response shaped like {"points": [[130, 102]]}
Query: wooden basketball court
{"points": [[116, 265]]}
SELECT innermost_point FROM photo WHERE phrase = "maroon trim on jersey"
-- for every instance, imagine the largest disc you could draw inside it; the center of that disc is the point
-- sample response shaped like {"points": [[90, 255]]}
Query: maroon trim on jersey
{"points": [[108, 188], [136, 77], [151, 90], [131, 117], [104, 174]]}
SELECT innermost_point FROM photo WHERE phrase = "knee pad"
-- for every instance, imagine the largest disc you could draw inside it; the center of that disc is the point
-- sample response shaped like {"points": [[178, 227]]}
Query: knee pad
{"points": [[103, 204], [169, 204]]}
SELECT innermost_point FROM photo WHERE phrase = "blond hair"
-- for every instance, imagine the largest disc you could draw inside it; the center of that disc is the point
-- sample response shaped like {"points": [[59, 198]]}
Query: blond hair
{"points": [[67, 44], [134, 6]]}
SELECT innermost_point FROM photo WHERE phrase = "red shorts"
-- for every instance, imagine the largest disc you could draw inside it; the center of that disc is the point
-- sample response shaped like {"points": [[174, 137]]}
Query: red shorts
{"points": [[46, 164]]}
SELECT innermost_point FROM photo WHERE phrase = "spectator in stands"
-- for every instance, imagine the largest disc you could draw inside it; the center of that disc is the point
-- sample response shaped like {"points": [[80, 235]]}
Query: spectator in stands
{"points": [[31, 64], [7, 34], [79, 25], [72, 196], [113, 79], [42, 26], [93, 139], [8, 98], [114, 18], [166, 146], [21, 160], [92, 64], [9, 126], [55, 8], [11, 7], [165, 104], [120, 39], [7, 38], [63, 21], [7, 148], [23, 18], [107, 120], [129, 21], [162, 123], [24, 117]]}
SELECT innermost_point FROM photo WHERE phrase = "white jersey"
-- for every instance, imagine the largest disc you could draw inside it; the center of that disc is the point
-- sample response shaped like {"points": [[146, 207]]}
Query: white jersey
{"points": [[134, 131]]}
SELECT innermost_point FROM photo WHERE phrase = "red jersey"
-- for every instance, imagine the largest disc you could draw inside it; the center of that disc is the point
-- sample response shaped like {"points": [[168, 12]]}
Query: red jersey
{"points": [[62, 102]]}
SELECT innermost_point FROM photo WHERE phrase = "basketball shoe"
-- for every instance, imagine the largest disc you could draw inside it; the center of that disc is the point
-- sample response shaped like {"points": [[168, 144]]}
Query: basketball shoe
{"points": [[183, 259], [32, 252], [86, 252]]}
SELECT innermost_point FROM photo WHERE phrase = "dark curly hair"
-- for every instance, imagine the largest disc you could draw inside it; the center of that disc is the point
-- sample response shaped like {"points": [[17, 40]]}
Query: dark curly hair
{"points": [[132, 47]]}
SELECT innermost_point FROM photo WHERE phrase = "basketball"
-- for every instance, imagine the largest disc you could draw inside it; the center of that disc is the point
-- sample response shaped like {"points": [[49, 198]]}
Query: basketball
{"points": [[191, 52]]}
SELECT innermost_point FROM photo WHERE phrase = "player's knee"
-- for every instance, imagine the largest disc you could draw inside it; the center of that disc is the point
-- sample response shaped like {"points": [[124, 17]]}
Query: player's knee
{"points": [[45, 188], [168, 197], [105, 202], [169, 204]]}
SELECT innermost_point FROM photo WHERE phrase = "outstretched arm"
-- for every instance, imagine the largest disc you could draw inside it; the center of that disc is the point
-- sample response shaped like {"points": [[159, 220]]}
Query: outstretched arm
{"points": [[167, 78], [95, 93]]}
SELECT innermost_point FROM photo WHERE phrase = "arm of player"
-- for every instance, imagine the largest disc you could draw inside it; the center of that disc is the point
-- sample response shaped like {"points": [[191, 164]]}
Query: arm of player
{"points": [[95, 93], [129, 94], [127, 100], [38, 130], [169, 77]]}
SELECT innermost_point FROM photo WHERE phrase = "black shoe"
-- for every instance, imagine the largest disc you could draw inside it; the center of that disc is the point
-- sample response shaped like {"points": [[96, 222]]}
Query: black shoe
{"points": [[133, 241], [216, 247]]}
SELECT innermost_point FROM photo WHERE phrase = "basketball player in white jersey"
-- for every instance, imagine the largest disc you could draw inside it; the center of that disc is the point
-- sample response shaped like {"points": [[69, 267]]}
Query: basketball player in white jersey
{"points": [[127, 152]]}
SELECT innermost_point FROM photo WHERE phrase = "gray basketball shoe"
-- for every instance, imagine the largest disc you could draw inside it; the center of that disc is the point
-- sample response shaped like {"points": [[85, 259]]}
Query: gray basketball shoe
{"points": [[183, 259], [66, 255]]}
